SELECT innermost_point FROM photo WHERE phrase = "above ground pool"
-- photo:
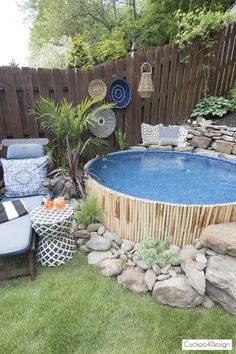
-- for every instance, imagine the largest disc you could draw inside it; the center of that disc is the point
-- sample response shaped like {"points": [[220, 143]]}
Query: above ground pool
{"points": [[162, 192]]}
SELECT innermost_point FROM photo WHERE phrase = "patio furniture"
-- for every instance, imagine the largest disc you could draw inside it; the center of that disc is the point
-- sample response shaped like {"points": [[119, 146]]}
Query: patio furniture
{"points": [[16, 236], [56, 244]]}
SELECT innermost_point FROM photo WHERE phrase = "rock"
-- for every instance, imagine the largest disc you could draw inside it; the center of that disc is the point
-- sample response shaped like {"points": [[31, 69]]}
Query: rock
{"points": [[96, 257], [199, 245], [133, 280], [221, 238], [176, 292], [228, 138], [172, 273], [101, 230], [184, 149], [114, 245], [82, 234], [81, 227], [211, 253], [226, 132], [178, 270], [221, 281], [130, 263], [163, 277], [188, 251], [206, 152], [201, 142], [138, 148], [223, 146], [113, 237], [165, 269], [231, 129], [199, 266], [234, 150], [195, 132], [175, 248], [124, 257], [93, 234], [228, 157], [150, 278], [160, 147], [99, 243], [127, 245], [74, 203], [84, 249], [111, 267], [80, 242], [135, 259], [156, 269], [201, 258], [142, 265], [130, 256], [115, 253], [195, 278], [208, 303], [202, 251], [94, 227]]}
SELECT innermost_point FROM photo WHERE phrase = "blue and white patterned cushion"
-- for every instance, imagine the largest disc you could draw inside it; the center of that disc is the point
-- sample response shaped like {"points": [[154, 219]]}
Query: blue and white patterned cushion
{"points": [[24, 177], [171, 131]]}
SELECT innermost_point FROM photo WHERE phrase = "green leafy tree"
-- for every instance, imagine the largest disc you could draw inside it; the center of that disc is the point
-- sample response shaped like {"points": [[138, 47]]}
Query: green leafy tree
{"points": [[111, 48], [80, 52]]}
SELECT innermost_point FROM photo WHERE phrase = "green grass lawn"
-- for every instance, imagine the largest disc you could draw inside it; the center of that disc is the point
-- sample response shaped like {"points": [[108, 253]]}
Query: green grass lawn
{"points": [[74, 309]]}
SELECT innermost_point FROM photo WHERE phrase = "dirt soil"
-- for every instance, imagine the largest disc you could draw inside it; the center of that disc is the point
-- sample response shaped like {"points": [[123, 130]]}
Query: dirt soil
{"points": [[229, 120]]}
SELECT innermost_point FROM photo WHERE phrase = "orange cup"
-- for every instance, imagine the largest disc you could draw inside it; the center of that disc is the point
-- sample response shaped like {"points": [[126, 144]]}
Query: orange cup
{"points": [[59, 204], [48, 204]]}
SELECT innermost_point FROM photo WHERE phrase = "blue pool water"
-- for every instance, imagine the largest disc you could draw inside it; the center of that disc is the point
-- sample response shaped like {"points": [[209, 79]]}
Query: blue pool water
{"points": [[171, 177]]}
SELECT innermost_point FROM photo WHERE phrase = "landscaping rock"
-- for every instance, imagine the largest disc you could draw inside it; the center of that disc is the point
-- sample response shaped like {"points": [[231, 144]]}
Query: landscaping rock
{"points": [[96, 257], [133, 280], [94, 227], [221, 281], [188, 251], [156, 269], [211, 253], [172, 273], [150, 278], [80, 242], [234, 150], [142, 265], [195, 278], [138, 148], [201, 142], [113, 237], [82, 234], [111, 267], [200, 266], [208, 303], [163, 277], [160, 147], [178, 270], [206, 152], [185, 149], [127, 245], [222, 146], [101, 230], [201, 258], [84, 249], [176, 292], [165, 269], [99, 243], [221, 238]]}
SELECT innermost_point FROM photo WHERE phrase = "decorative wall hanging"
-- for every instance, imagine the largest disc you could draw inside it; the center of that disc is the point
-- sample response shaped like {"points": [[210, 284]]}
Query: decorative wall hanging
{"points": [[146, 87], [105, 123], [120, 93], [97, 89]]}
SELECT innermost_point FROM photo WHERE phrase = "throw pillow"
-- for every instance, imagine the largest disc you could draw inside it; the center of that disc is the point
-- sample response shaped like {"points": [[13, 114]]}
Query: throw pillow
{"points": [[169, 131], [24, 177], [150, 134], [169, 141]]}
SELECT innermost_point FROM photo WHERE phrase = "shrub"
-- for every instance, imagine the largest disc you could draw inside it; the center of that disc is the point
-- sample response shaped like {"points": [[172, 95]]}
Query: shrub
{"points": [[232, 96], [211, 107], [156, 252], [121, 140], [88, 212]]}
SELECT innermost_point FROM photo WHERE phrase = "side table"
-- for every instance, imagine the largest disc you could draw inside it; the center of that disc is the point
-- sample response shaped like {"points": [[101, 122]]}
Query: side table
{"points": [[56, 244]]}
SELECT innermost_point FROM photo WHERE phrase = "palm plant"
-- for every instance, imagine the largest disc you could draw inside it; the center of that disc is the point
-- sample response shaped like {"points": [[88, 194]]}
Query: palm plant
{"points": [[69, 144], [121, 140]]}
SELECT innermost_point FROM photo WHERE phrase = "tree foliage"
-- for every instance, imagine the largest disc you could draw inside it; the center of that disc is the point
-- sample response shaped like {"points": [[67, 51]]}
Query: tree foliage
{"points": [[108, 27]]}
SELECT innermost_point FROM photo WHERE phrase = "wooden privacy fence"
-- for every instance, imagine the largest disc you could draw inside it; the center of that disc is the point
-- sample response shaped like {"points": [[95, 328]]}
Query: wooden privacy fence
{"points": [[178, 86]]}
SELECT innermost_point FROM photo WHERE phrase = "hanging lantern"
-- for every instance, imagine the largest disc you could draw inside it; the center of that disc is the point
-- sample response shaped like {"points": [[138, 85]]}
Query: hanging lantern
{"points": [[146, 87]]}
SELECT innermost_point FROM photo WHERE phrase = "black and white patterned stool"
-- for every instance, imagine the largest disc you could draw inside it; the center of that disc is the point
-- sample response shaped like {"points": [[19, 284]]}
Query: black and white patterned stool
{"points": [[56, 244]]}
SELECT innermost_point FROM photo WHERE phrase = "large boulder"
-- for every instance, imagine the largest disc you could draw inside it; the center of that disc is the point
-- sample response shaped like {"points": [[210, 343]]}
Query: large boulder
{"points": [[111, 267], [221, 238], [99, 243], [176, 292], [223, 146], [133, 280], [195, 277], [221, 281]]}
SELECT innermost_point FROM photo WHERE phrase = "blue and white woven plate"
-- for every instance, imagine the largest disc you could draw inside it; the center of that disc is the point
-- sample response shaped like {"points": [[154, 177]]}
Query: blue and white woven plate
{"points": [[120, 93]]}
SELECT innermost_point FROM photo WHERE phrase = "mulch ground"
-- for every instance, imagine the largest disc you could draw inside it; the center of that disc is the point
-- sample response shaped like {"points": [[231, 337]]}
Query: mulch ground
{"points": [[229, 120]]}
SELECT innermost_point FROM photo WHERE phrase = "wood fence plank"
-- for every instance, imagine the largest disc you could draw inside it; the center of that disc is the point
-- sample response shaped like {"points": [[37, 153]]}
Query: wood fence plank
{"points": [[171, 84], [157, 81], [164, 83], [45, 81], [72, 94], [11, 100]]}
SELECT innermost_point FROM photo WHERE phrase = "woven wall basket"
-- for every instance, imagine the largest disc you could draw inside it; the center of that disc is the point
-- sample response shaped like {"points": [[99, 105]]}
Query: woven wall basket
{"points": [[105, 123], [97, 89], [146, 87]]}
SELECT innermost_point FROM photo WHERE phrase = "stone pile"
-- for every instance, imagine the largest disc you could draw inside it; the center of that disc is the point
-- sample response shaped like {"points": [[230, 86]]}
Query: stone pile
{"points": [[206, 273], [214, 140]]}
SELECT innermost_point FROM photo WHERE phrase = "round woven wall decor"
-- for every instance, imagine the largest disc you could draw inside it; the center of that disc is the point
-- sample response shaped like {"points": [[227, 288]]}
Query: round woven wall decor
{"points": [[120, 93], [97, 89], [105, 123]]}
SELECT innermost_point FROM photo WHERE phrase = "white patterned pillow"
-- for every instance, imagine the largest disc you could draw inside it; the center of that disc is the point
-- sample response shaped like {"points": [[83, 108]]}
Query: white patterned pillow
{"points": [[24, 177], [150, 134]]}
